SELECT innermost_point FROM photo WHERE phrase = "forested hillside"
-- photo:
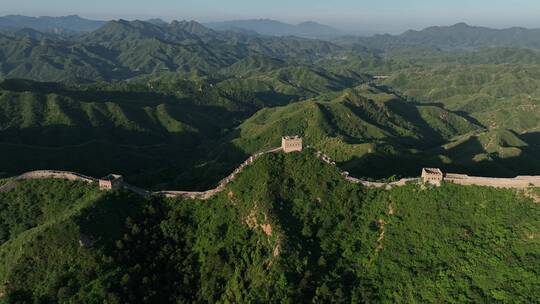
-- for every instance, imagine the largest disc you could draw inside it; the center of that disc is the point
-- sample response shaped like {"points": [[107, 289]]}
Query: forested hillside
{"points": [[487, 92], [125, 49], [288, 228]]}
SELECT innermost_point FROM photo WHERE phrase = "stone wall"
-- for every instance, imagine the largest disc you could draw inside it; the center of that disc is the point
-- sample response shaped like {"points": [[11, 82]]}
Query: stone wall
{"points": [[389, 185], [43, 174], [520, 182], [221, 185], [72, 176]]}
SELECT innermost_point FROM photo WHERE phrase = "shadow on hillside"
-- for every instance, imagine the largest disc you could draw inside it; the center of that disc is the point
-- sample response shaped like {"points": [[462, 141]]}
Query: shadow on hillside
{"points": [[410, 112], [63, 135], [441, 105], [283, 208], [104, 221], [185, 163], [210, 100], [84, 93], [469, 118], [211, 162], [391, 125], [380, 166], [390, 90], [533, 139], [273, 99], [390, 128]]}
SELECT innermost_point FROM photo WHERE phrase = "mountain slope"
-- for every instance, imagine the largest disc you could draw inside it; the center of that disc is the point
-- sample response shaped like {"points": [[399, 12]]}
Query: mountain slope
{"points": [[289, 224], [123, 49], [499, 96], [53, 60], [100, 130], [355, 117], [375, 134]]}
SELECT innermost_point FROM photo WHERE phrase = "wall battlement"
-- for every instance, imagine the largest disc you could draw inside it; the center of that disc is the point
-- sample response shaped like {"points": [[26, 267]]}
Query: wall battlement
{"points": [[519, 182], [436, 176], [291, 144]]}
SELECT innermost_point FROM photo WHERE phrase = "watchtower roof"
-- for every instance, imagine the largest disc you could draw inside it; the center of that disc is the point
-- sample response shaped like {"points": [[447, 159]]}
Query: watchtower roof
{"points": [[291, 137], [433, 171], [111, 177]]}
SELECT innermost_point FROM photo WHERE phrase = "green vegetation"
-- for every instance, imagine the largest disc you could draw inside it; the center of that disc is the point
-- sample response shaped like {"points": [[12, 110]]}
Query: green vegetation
{"points": [[369, 132], [498, 96], [359, 115], [196, 102], [56, 198], [179, 106], [290, 228], [123, 49]]}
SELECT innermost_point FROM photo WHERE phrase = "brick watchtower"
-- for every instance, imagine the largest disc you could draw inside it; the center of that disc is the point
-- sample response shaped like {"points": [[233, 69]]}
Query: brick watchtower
{"points": [[291, 144], [111, 182], [432, 176]]}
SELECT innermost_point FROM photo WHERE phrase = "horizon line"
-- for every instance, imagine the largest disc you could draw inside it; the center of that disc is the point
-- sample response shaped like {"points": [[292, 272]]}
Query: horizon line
{"points": [[347, 30]]}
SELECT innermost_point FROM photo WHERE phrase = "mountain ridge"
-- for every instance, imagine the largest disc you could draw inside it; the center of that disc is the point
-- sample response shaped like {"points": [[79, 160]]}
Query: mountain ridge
{"points": [[308, 29], [58, 25], [457, 36]]}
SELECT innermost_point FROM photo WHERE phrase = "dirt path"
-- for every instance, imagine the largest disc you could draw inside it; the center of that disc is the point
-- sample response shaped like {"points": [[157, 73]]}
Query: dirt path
{"points": [[380, 240]]}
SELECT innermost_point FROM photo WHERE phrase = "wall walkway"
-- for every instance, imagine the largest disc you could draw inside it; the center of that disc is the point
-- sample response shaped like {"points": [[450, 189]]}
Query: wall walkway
{"points": [[520, 182]]}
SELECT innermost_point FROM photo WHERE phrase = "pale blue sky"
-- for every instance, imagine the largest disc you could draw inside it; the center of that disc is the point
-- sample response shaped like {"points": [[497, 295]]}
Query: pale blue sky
{"points": [[361, 15]]}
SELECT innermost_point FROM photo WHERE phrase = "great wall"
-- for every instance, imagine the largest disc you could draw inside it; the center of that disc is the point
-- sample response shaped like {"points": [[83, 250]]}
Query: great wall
{"points": [[433, 176], [113, 181]]}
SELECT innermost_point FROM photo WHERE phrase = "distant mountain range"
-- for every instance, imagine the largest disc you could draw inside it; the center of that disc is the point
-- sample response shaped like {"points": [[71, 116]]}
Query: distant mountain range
{"points": [[269, 27], [458, 36], [55, 25], [76, 24], [125, 49]]}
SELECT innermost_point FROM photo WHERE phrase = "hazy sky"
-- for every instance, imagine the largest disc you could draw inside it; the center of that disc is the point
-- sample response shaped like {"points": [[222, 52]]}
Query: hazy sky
{"points": [[359, 15]]}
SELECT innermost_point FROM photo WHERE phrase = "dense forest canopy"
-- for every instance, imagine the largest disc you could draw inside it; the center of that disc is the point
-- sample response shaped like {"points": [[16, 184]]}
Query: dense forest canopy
{"points": [[290, 228]]}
